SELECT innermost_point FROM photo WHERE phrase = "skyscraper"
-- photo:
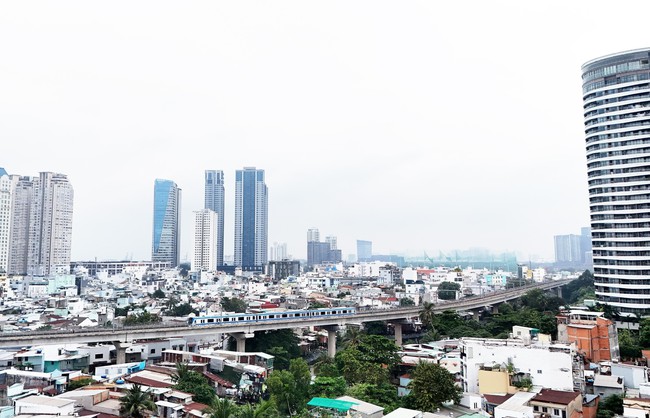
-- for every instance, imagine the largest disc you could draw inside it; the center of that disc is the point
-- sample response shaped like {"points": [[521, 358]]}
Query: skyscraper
{"points": [[205, 240], [166, 222], [21, 207], [251, 219], [50, 225], [568, 249], [214, 200], [5, 219], [616, 103], [332, 241]]}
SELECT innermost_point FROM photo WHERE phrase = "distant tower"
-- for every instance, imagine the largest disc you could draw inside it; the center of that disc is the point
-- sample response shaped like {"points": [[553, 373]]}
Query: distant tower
{"points": [[251, 219], [616, 101], [205, 240], [50, 225], [331, 240], [5, 219], [364, 250], [313, 235], [214, 199], [166, 222]]}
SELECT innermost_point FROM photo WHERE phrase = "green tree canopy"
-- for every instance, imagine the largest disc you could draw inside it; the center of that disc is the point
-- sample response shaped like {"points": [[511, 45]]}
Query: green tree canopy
{"points": [[406, 302], [447, 290], [284, 339], [233, 305], [328, 387], [290, 388], [383, 394], [190, 381], [142, 318], [431, 386], [158, 294]]}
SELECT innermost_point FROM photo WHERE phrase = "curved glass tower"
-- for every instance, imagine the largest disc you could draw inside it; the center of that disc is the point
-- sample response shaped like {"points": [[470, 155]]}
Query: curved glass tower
{"points": [[616, 100], [166, 226]]}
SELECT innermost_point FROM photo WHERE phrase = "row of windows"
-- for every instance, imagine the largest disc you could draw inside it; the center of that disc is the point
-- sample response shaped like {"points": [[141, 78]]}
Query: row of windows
{"points": [[615, 80], [623, 272], [617, 99], [614, 216], [607, 154], [594, 138], [606, 145], [622, 291], [598, 226], [601, 199], [615, 69], [619, 90], [602, 128], [618, 189], [595, 112], [618, 162], [626, 170]]}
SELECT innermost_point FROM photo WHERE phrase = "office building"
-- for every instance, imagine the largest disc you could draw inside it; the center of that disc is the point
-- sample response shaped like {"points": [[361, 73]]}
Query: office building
{"points": [[364, 250], [331, 240], [251, 219], [166, 222], [214, 200], [206, 224], [50, 225], [616, 103], [5, 219]]}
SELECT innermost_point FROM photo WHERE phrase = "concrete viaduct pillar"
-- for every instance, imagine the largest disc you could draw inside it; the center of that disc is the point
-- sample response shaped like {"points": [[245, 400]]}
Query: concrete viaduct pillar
{"points": [[241, 337], [397, 326], [331, 340], [120, 349]]}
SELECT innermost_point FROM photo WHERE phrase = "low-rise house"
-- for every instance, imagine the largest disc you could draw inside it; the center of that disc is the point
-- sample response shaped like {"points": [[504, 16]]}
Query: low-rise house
{"points": [[606, 385], [636, 407], [44, 405], [557, 404]]}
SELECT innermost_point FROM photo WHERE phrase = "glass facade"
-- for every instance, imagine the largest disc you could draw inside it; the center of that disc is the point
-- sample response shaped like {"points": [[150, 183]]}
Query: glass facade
{"points": [[214, 200], [616, 103], [166, 225], [251, 219]]}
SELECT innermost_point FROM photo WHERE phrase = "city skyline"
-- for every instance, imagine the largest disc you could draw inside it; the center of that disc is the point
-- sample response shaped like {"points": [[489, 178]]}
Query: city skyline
{"points": [[423, 126]]}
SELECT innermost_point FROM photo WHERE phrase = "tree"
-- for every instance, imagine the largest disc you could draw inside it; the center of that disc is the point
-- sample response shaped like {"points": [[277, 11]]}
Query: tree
{"points": [[644, 333], [190, 381], [76, 384], [628, 344], [142, 318], [264, 409], [447, 290], [136, 402], [383, 394], [427, 313], [368, 361], [158, 294], [610, 406], [328, 387], [406, 302], [182, 310], [233, 305], [272, 340], [290, 388], [431, 386], [221, 408], [282, 358]]}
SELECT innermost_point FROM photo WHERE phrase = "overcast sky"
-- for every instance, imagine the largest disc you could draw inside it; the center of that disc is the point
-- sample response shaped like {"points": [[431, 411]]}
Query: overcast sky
{"points": [[420, 125]]}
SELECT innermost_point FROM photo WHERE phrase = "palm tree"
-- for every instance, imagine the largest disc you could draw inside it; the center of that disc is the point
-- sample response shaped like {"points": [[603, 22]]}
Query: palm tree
{"points": [[427, 313], [136, 402], [181, 374], [221, 408], [264, 409], [352, 336]]}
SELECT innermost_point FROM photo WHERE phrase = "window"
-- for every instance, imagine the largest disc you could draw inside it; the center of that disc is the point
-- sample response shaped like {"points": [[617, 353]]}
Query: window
{"points": [[544, 409], [152, 351], [535, 408], [556, 412], [97, 356], [539, 372]]}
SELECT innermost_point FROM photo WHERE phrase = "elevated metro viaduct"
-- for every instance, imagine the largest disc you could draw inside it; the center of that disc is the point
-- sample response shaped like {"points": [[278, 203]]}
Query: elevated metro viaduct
{"points": [[396, 316]]}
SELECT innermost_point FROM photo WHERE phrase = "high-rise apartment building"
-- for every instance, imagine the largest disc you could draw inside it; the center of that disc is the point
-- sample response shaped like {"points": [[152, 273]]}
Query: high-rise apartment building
{"points": [[568, 249], [278, 251], [251, 219], [205, 240], [616, 103], [166, 222], [21, 208], [50, 225], [364, 250], [332, 241], [313, 235], [5, 219], [214, 200]]}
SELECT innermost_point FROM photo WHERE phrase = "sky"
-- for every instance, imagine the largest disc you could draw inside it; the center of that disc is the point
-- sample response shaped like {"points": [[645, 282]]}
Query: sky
{"points": [[420, 125]]}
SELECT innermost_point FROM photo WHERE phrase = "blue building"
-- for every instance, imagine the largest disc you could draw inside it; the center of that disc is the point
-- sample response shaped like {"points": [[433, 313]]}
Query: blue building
{"points": [[166, 222], [251, 219]]}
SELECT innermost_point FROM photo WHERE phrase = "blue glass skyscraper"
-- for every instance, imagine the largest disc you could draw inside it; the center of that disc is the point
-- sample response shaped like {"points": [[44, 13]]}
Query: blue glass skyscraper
{"points": [[166, 222], [251, 219]]}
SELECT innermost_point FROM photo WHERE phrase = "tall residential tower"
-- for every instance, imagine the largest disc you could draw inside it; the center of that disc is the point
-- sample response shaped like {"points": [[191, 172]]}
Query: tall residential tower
{"points": [[205, 240], [251, 219], [214, 200], [616, 102], [166, 222]]}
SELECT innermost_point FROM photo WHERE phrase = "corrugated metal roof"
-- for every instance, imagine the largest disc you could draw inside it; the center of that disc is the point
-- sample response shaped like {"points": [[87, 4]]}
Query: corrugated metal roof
{"points": [[331, 403]]}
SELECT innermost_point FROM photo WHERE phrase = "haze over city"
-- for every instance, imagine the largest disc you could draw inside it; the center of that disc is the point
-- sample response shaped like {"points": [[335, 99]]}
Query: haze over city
{"points": [[417, 126]]}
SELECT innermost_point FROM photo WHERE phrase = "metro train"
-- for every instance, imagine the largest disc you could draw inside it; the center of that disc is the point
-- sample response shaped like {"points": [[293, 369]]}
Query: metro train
{"points": [[247, 317]]}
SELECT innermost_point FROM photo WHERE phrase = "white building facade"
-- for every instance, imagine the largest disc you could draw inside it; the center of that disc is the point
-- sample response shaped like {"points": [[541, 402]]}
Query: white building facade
{"points": [[206, 232]]}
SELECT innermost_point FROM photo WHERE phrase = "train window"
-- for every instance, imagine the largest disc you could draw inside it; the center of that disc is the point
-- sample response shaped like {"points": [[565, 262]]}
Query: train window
{"points": [[322, 313], [211, 320], [226, 319], [284, 315], [272, 316], [241, 318]]}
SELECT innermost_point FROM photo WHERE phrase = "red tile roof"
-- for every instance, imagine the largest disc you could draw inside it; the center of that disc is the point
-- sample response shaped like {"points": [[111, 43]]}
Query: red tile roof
{"points": [[148, 382], [555, 396], [496, 399]]}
